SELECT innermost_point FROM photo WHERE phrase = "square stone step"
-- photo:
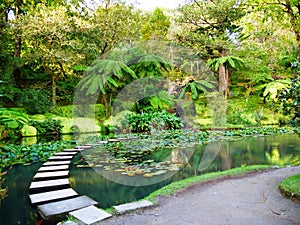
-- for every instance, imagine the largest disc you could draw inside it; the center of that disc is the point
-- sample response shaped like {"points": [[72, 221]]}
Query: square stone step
{"points": [[51, 175], [53, 168], [132, 206], [52, 195], [60, 158], [55, 163], [49, 184], [90, 215], [61, 208]]}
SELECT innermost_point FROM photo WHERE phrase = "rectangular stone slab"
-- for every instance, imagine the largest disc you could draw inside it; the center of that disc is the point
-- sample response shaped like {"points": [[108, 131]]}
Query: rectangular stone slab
{"points": [[64, 206], [90, 215], [52, 195], [71, 150], [65, 153], [57, 163], [50, 175], [53, 168], [49, 183], [84, 147], [60, 158], [132, 206]]}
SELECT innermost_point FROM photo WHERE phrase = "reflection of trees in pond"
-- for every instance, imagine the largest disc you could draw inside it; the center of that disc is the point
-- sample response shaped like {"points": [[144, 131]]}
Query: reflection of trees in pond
{"points": [[226, 156], [275, 157]]}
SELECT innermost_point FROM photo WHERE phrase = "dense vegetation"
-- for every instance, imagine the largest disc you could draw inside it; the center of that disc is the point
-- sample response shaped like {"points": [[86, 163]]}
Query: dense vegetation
{"points": [[51, 49]]}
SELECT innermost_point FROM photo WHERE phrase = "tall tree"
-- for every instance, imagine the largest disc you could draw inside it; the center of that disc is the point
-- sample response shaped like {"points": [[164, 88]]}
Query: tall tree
{"points": [[157, 26], [210, 27], [279, 10]]}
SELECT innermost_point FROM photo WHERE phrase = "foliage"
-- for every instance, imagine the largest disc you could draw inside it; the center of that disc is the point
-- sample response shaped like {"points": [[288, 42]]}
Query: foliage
{"points": [[13, 121], [49, 126], [17, 154], [3, 191], [35, 101], [196, 87], [291, 101], [157, 27], [149, 121], [290, 187]]}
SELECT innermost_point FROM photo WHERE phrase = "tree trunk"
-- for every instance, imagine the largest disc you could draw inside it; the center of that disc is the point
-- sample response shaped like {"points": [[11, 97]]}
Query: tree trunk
{"points": [[54, 86], [223, 78]]}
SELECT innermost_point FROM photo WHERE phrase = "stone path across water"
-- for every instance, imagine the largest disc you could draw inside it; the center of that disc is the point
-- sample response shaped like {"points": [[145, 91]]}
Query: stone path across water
{"points": [[51, 191]]}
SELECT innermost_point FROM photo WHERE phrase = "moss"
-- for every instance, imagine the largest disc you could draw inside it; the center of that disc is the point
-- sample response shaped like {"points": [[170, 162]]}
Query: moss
{"points": [[290, 187]]}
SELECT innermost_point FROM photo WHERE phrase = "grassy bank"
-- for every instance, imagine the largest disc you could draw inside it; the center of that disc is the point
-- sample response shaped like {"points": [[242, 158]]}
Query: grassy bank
{"points": [[182, 184], [290, 187]]}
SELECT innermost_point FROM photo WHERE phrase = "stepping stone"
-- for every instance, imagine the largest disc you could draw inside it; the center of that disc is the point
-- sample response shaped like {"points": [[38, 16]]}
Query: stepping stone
{"points": [[66, 153], [84, 147], [52, 195], [57, 163], [53, 168], [122, 139], [132, 206], [113, 140], [65, 206], [51, 175], [90, 215], [71, 150], [49, 183], [60, 158], [102, 142]]}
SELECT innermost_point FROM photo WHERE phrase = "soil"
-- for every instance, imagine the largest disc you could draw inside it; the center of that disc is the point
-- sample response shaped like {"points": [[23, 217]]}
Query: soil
{"points": [[248, 199]]}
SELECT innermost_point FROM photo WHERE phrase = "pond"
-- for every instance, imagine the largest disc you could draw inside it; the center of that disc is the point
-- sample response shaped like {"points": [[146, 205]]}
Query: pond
{"points": [[99, 183]]}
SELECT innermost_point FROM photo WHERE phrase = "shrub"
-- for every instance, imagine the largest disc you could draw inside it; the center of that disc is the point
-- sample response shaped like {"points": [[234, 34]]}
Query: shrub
{"points": [[49, 126], [35, 101], [146, 122]]}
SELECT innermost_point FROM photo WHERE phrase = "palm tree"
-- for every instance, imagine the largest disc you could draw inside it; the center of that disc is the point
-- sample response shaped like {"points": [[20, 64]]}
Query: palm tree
{"points": [[222, 65]]}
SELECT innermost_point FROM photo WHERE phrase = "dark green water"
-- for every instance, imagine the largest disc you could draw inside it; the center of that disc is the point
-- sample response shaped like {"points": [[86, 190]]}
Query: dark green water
{"points": [[277, 149]]}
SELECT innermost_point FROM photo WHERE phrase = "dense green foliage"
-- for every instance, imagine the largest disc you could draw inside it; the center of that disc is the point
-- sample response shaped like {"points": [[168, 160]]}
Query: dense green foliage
{"points": [[290, 99], [17, 154], [47, 127], [151, 121]]}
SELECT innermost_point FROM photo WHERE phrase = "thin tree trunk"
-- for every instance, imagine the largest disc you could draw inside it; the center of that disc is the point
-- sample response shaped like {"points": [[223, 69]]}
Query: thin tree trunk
{"points": [[223, 77], [54, 87]]}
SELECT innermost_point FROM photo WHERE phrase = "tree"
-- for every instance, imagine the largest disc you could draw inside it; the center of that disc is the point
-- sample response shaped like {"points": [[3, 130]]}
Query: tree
{"points": [[210, 27], [290, 99], [279, 10], [157, 26], [50, 34], [222, 65]]}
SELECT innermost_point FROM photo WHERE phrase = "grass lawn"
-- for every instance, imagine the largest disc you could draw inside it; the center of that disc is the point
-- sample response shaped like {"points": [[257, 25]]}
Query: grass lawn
{"points": [[290, 187]]}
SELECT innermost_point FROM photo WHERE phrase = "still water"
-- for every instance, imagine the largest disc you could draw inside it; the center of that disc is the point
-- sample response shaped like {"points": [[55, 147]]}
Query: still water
{"points": [[277, 149]]}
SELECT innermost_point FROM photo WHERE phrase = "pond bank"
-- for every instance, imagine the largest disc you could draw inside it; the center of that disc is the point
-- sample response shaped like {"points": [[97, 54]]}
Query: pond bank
{"points": [[249, 199]]}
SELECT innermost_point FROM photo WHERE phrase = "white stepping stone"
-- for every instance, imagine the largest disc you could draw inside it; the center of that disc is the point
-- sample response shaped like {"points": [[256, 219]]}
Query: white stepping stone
{"points": [[53, 168], [66, 153], [52, 195], [57, 163], [51, 175], [84, 147], [132, 206], [60, 158], [90, 215], [49, 183], [71, 150], [65, 206]]}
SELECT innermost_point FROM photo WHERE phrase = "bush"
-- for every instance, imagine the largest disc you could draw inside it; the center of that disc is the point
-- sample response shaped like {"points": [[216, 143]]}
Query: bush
{"points": [[146, 122], [35, 101], [49, 126], [63, 111]]}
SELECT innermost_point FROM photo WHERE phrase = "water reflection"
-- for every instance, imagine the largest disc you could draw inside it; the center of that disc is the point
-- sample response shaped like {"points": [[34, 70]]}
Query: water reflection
{"points": [[279, 149]]}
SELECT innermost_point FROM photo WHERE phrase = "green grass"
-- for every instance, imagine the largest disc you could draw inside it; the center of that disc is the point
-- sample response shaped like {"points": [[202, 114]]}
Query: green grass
{"points": [[290, 187], [182, 184]]}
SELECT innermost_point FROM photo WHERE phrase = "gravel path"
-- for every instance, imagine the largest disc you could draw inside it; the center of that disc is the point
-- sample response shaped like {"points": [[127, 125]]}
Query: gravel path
{"points": [[249, 199]]}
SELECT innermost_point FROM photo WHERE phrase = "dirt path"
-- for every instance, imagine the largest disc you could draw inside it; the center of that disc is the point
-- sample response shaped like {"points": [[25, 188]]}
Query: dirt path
{"points": [[251, 199]]}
